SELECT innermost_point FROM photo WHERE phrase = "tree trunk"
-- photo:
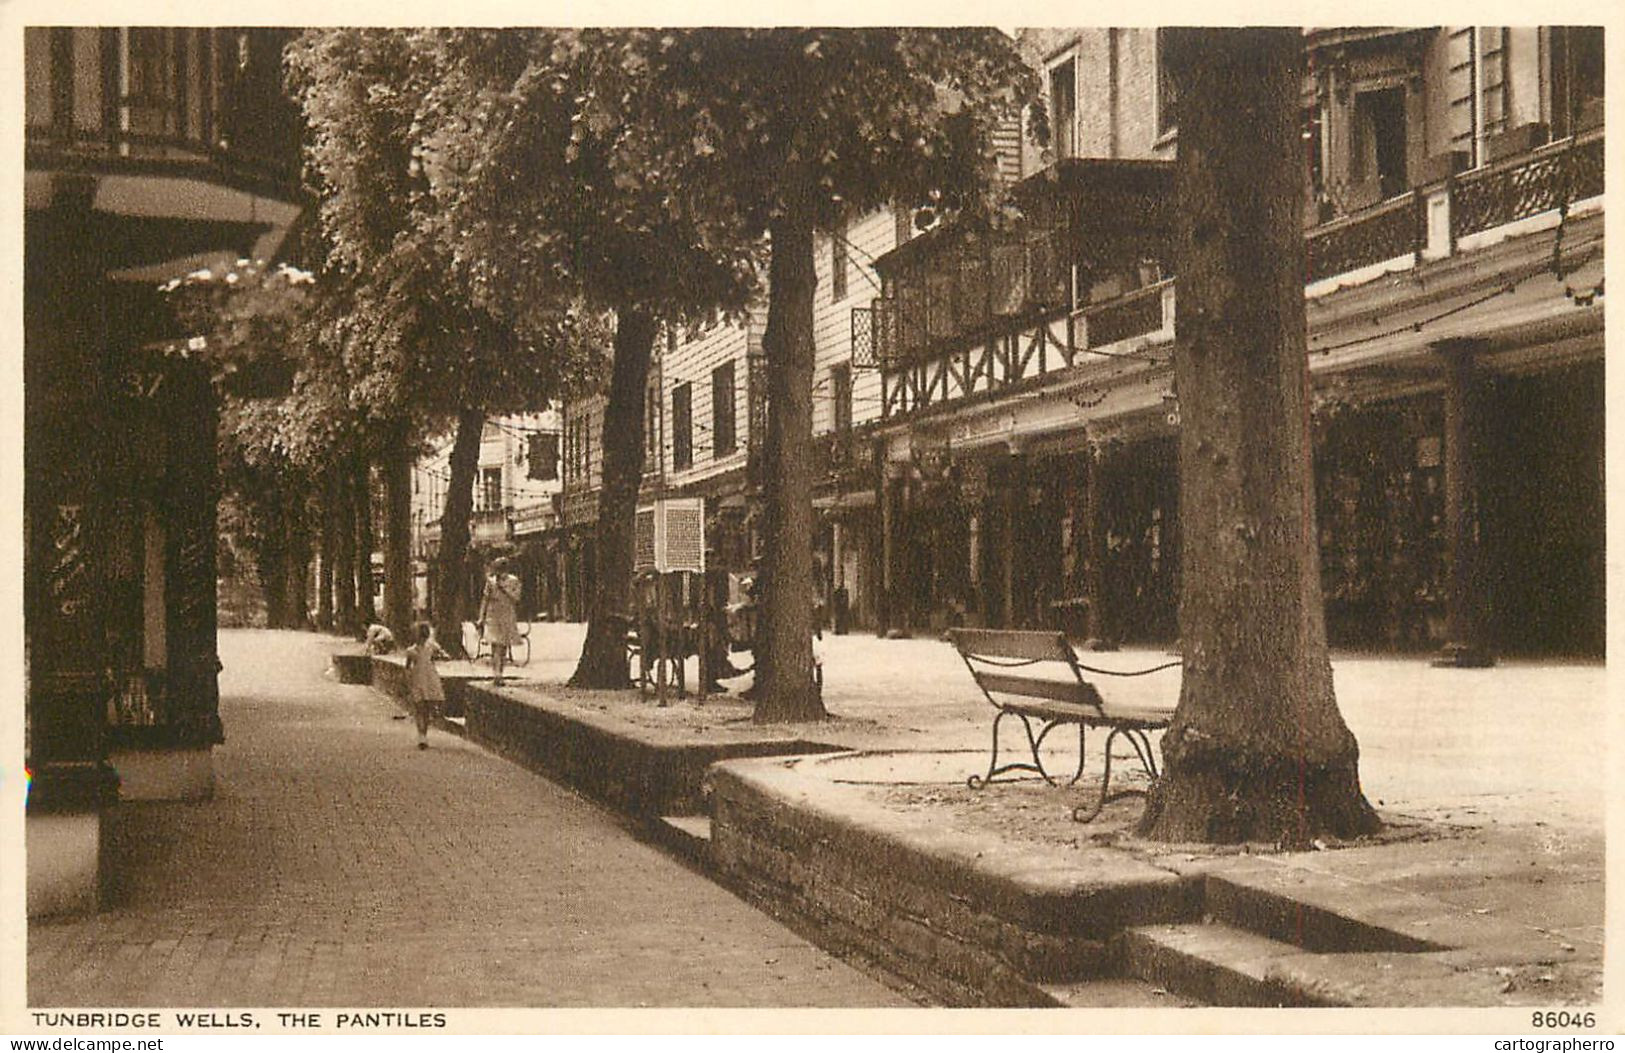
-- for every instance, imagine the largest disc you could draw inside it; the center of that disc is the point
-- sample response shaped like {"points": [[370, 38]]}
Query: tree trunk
{"points": [[1257, 750], [330, 531], [269, 557], [361, 495], [344, 606], [296, 563], [603, 655], [451, 588], [784, 661], [398, 537]]}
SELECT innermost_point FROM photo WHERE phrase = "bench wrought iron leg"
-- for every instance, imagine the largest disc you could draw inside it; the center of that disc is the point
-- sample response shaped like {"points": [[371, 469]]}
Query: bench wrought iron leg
{"points": [[1142, 746], [976, 782], [1049, 727]]}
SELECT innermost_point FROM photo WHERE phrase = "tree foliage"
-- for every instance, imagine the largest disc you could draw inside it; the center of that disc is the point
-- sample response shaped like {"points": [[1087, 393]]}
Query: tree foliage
{"points": [[423, 343], [781, 132]]}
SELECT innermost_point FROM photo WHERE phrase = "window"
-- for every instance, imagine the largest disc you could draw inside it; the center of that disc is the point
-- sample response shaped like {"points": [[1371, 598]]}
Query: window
{"points": [[722, 410], [542, 458], [1167, 90], [1063, 96], [837, 262], [490, 489], [1380, 141], [682, 427], [840, 386], [1576, 77], [651, 422], [1314, 147]]}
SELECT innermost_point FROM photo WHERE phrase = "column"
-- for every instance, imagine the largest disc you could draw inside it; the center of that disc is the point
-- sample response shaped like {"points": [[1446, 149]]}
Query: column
{"points": [[1465, 645], [65, 602], [1015, 508], [888, 550], [1100, 634]]}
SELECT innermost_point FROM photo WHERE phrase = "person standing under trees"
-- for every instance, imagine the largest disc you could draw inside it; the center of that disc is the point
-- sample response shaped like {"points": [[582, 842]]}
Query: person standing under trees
{"points": [[423, 683], [499, 620]]}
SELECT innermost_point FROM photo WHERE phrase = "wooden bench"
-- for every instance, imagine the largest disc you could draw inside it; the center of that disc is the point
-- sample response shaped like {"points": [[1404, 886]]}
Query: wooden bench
{"points": [[1003, 662]]}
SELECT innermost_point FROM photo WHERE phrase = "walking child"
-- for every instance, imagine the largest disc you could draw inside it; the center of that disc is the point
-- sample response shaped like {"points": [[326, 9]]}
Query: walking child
{"points": [[423, 683]]}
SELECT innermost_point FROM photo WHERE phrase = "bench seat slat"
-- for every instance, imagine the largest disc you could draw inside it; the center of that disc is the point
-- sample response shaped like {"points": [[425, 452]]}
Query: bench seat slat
{"points": [[1073, 692], [1094, 716], [1012, 643]]}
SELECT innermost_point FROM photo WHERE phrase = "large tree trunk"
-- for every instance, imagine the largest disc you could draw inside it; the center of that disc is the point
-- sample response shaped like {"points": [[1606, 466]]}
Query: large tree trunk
{"points": [[603, 655], [1257, 750], [451, 582], [784, 661], [398, 537], [361, 495], [344, 606]]}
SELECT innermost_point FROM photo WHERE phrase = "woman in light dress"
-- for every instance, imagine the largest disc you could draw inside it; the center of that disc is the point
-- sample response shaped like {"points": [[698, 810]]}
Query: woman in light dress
{"points": [[499, 616]]}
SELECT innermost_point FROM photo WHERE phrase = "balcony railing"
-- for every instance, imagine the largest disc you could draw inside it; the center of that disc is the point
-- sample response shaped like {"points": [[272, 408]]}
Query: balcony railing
{"points": [[157, 97], [967, 285], [932, 348], [1385, 231], [1135, 314], [491, 525], [1525, 186]]}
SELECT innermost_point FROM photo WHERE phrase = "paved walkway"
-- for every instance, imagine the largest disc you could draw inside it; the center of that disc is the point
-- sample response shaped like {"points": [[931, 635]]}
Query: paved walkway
{"points": [[1512, 745], [338, 865]]}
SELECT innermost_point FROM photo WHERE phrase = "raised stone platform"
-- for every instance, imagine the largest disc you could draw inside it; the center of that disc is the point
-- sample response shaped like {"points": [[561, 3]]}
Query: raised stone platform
{"points": [[979, 918], [645, 771]]}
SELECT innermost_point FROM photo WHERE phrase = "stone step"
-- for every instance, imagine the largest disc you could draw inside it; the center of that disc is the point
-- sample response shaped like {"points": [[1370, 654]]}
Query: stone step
{"points": [[689, 836], [1118, 992], [1267, 902], [1215, 963]]}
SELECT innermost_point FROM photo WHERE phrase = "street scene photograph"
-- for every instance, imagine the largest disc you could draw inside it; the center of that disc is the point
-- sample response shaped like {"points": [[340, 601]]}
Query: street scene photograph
{"points": [[889, 518]]}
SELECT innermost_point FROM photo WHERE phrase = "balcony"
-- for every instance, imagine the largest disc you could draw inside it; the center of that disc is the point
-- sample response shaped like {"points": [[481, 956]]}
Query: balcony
{"points": [[843, 458], [490, 526], [184, 103], [955, 324]]}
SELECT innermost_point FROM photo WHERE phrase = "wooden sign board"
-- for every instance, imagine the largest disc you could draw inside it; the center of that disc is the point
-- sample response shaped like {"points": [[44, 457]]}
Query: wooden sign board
{"points": [[671, 535]]}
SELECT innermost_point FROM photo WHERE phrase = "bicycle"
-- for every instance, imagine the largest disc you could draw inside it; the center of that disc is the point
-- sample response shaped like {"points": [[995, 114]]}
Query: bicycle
{"points": [[518, 654]]}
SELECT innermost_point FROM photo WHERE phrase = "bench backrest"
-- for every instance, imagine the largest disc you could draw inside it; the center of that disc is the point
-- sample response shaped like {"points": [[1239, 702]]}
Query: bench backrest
{"points": [[1002, 662]]}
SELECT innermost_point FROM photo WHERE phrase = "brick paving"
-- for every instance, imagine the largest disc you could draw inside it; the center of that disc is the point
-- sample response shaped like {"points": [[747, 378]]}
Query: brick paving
{"points": [[338, 865]]}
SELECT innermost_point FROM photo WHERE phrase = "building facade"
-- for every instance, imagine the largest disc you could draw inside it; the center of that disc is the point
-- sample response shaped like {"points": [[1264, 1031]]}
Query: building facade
{"points": [[704, 420], [1454, 234], [150, 152], [516, 486], [995, 420]]}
